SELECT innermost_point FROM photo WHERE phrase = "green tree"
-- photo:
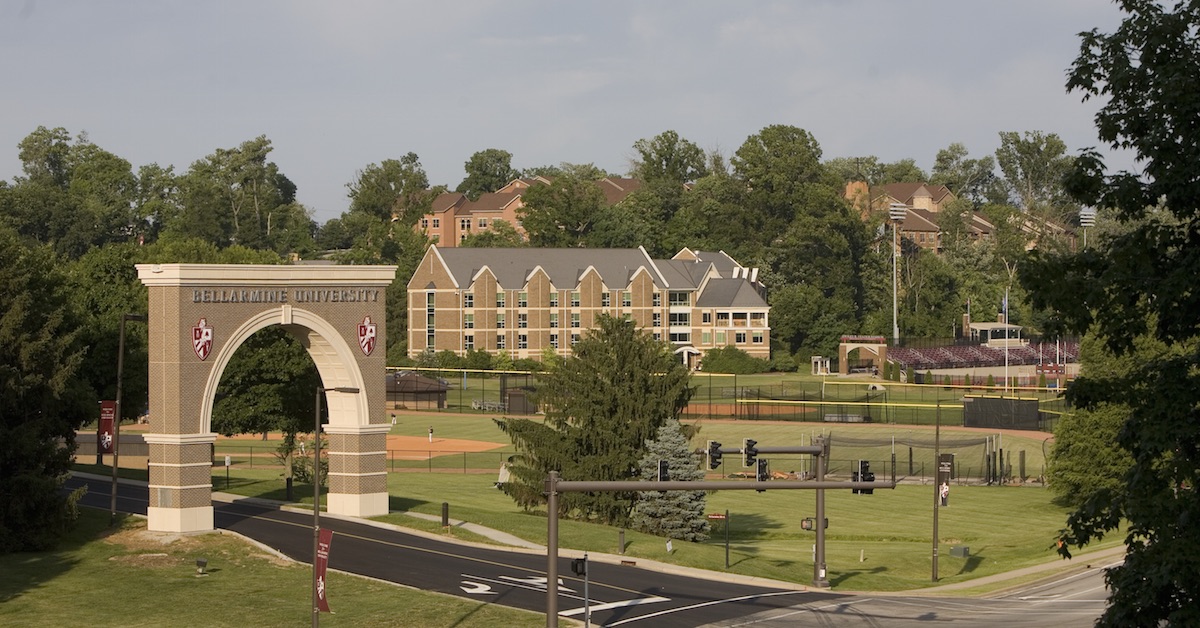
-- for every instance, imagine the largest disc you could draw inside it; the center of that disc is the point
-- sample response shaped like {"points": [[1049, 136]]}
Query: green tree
{"points": [[672, 514], [1034, 166], [612, 394], [43, 403], [971, 180], [1147, 75], [563, 213], [730, 359], [500, 234], [395, 189], [487, 171]]}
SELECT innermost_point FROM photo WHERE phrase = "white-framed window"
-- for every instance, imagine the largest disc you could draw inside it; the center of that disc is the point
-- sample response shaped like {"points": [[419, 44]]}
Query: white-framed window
{"points": [[756, 338], [706, 318], [605, 300], [656, 319], [501, 340], [657, 336], [500, 320], [464, 225], [522, 299], [522, 320], [554, 298], [739, 338], [679, 318], [522, 341], [575, 299], [706, 338], [679, 298], [468, 299], [554, 340], [499, 298], [553, 319], [483, 223], [626, 298], [429, 339], [574, 339], [424, 224], [468, 321], [437, 223], [720, 339], [575, 319], [469, 341], [681, 337], [656, 300]]}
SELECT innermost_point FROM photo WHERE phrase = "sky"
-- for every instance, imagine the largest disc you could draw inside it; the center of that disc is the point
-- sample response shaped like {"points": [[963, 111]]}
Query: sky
{"points": [[337, 86]]}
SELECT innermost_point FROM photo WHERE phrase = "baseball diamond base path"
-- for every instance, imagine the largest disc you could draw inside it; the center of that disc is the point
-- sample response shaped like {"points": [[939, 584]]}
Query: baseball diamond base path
{"points": [[419, 447]]}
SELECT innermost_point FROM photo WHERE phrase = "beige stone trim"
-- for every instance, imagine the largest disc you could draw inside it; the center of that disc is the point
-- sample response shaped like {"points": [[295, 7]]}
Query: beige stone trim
{"points": [[180, 439], [198, 519], [262, 275]]}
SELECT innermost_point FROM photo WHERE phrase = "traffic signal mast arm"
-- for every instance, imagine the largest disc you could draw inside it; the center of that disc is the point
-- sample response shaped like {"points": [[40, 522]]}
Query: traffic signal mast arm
{"points": [[797, 449], [568, 486]]}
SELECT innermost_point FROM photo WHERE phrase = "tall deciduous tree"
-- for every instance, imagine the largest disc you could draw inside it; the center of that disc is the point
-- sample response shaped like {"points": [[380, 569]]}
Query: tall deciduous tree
{"points": [[612, 394], [1034, 166], [41, 401], [1142, 283], [970, 179], [487, 171], [394, 189], [563, 213]]}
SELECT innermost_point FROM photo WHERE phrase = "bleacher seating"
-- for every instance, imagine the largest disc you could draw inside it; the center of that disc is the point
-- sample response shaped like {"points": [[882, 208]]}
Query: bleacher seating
{"points": [[966, 356]]}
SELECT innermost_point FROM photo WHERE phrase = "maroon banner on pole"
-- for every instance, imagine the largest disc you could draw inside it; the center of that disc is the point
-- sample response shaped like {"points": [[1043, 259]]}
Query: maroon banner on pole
{"points": [[324, 538], [104, 434]]}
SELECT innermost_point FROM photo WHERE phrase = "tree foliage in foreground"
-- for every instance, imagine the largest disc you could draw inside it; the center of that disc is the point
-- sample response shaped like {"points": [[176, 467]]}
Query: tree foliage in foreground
{"points": [[40, 400], [602, 403], [673, 514], [1142, 283]]}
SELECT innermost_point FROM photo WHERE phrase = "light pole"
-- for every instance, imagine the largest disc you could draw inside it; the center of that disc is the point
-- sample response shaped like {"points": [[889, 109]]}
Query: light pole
{"points": [[316, 479], [937, 475], [1087, 218], [896, 214], [116, 448]]}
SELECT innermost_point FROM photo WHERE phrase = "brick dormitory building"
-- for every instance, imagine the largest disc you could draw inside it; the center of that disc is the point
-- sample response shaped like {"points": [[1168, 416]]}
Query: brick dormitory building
{"points": [[525, 300]]}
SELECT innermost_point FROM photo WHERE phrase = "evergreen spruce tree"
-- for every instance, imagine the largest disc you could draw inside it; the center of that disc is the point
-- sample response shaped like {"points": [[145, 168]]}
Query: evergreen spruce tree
{"points": [[602, 403], [673, 514]]}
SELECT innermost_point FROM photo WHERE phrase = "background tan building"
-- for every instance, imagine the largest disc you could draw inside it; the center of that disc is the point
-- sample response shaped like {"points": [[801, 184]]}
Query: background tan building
{"points": [[524, 300]]}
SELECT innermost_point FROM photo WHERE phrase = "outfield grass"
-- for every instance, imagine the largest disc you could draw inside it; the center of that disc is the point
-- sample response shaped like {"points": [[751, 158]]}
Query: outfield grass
{"points": [[125, 577]]}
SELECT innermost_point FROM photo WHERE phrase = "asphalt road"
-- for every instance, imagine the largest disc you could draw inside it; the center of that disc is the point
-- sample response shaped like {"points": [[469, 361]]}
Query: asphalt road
{"points": [[621, 595]]}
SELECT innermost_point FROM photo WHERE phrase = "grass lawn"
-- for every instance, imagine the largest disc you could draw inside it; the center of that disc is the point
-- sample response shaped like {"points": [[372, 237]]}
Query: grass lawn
{"points": [[1005, 527], [128, 577]]}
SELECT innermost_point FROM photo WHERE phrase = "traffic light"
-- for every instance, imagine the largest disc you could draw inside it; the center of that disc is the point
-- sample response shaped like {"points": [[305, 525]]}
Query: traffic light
{"points": [[762, 474], [865, 475], [579, 566], [714, 454], [664, 472], [749, 452], [854, 476]]}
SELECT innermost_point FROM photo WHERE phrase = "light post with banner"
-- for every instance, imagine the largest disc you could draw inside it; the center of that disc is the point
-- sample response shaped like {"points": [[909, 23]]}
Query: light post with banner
{"points": [[116, 433], [321, 538]]}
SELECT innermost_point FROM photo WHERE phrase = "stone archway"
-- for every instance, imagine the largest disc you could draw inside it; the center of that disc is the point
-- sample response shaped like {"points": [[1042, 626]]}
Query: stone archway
{"points": [[199, 314]]}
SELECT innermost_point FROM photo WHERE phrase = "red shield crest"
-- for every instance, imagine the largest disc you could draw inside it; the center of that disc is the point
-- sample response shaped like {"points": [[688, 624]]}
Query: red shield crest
{"points": [[202, 339], [366, 336]]}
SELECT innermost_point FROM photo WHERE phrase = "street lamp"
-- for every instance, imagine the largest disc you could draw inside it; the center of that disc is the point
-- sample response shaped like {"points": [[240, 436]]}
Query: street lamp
{"points": [[316, 475], [896, 214], [1087, 218], [116, 448]]}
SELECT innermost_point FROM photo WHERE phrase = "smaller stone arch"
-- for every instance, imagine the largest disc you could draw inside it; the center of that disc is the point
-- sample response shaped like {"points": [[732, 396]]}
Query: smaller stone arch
{"points": [[873, 344]]}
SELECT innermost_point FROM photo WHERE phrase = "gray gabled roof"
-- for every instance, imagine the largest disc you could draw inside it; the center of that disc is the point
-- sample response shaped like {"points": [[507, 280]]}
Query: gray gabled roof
{"points": [[730, 293], [512, 268], [566, 267]]}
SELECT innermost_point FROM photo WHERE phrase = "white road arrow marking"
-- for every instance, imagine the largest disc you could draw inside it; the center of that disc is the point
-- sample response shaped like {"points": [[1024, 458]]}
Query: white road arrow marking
{"points": [[476, 588], [608, 605]]}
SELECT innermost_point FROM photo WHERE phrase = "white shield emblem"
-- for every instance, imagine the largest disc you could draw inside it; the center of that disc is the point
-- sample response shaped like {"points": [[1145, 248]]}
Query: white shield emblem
{"points": [[366, 336], [202, 339]]}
